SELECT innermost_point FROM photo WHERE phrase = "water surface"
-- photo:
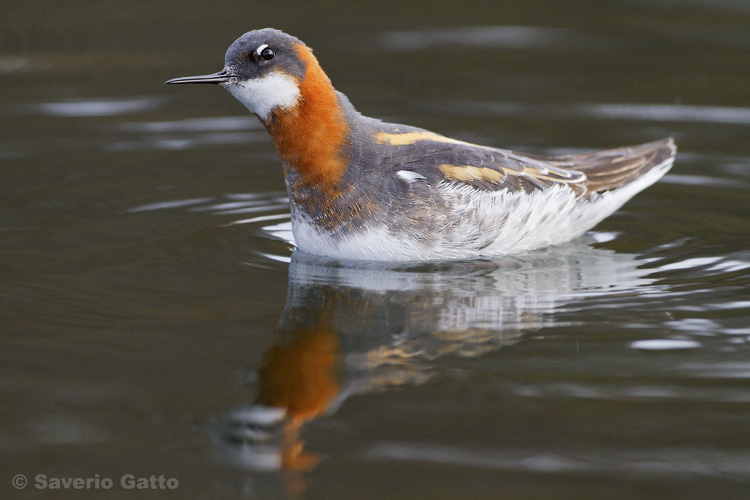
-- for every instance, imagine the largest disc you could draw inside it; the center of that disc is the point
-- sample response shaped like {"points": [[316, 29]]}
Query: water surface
{"points": [[156, 320]]}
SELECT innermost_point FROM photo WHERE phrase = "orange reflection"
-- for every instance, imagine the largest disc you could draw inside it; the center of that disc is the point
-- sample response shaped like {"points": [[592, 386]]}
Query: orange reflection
{"points": [[300, 375]]}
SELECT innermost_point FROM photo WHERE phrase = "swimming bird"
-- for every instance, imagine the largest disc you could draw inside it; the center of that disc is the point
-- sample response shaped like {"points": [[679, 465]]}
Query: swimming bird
{"points": [[360, 188]]}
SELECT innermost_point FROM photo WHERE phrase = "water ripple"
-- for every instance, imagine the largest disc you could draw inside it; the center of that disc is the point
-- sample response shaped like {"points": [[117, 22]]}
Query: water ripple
{"points": [[166, 205], [664, 344], [97, 107], [487, 36], [611, 111], [181, 142], [665, 461], [670, 113], [187, 134], [213, 124]]}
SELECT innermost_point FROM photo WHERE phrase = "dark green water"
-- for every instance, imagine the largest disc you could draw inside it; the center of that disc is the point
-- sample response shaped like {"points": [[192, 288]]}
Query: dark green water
{"points": [[153, 318]]}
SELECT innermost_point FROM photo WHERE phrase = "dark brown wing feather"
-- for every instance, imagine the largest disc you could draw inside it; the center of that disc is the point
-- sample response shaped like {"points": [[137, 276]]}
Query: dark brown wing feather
{"points": [[613, 168]]}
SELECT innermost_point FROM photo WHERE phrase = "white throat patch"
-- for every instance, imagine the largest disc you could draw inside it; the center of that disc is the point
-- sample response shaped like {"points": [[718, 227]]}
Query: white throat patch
{"points": [[262, 95]]}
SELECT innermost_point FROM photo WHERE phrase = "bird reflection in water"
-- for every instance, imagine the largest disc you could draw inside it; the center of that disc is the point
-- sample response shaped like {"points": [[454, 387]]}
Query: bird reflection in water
{"points": [[348, 330], [300, 373]]}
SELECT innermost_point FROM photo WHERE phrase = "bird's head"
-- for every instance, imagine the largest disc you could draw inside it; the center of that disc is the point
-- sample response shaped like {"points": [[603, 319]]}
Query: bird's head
{"points": [[263, 69]]}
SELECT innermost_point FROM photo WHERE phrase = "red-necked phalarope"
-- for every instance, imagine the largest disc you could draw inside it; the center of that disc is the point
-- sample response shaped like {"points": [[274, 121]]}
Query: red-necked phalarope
{"points": [[363, 189]]}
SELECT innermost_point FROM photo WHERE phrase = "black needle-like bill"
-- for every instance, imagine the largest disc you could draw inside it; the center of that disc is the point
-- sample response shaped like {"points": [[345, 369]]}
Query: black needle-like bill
{"points": [[221, 77]]}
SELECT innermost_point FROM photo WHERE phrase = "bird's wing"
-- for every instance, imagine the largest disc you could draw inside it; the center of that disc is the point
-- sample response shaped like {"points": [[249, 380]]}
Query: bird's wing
{"points": [[613, 168], [434, 159], [483, 168]]}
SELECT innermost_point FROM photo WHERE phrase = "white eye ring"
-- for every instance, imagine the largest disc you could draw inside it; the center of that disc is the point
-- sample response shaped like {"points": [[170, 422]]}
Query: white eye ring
{"points": [[259, 52]]}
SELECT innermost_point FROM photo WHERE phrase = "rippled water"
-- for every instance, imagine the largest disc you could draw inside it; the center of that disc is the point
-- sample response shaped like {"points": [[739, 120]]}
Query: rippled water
{"points": [[156, 320]]}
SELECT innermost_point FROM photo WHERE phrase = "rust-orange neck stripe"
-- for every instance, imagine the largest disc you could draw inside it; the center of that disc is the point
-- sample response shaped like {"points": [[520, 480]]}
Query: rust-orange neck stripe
{"points": [[311, 136]]}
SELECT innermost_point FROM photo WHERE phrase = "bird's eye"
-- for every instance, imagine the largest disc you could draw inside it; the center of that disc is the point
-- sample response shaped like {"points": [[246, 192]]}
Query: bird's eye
{"points": [[266, 54]]}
